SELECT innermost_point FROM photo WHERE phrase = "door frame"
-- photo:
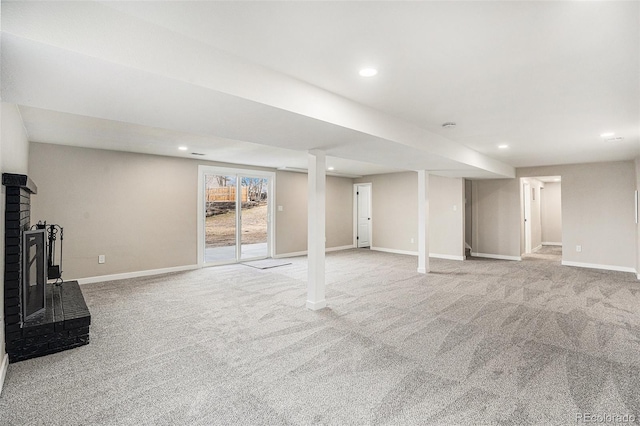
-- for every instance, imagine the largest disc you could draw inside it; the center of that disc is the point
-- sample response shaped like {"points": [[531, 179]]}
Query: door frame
{"points": [[526, 200], [355, 213], [200, 216]]}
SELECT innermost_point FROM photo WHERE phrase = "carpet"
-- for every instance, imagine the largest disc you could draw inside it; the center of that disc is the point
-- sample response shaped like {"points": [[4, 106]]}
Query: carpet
{"points": [[267, 263], [476, 342]]}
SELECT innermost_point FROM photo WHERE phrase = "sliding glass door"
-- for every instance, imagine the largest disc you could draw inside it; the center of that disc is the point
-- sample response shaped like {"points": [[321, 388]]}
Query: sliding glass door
{"points": [[254, 217], [236, 212]]}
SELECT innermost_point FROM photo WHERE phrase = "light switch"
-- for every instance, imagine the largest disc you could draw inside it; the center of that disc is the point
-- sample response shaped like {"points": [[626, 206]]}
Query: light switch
{"points": [[578, 249]]}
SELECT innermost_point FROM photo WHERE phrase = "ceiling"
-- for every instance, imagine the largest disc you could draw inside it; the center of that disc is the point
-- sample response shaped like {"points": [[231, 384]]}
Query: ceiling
{"points": [[261, 83]]}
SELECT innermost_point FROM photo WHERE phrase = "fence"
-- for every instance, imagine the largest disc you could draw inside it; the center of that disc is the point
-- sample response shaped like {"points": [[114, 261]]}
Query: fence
{"points": [[226, 194]]}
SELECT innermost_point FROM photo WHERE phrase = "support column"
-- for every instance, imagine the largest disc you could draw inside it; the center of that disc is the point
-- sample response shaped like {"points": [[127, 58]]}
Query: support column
{"points": [[316, 230], [423, 222]]}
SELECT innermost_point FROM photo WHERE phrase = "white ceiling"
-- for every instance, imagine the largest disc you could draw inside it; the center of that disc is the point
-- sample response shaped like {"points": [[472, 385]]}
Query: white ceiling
{"points": [[262, 82]]}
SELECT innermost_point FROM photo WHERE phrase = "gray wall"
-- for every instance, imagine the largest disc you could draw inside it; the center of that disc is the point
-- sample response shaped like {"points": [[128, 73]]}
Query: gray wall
{"points": [[291, 222], [552, 213], [14, 152], [597, 212], [446, 217], [496, 215], [140, 210], [395, 213], [394, 205]]}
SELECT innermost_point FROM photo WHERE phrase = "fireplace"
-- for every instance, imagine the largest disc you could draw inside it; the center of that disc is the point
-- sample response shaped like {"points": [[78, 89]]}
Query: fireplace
{"points": [[40, 317], [34, 278]]}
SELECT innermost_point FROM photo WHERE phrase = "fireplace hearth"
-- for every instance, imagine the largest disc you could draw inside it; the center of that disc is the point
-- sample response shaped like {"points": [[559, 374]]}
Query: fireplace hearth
{"points": [[40, 317]]}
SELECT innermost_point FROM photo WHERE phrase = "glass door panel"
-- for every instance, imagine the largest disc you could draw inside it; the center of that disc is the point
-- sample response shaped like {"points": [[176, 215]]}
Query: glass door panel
{"points": [[220, 218], [254, 217]]}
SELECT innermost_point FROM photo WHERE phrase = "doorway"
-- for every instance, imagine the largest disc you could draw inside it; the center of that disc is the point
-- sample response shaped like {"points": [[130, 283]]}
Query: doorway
{"points": [[541, 226], [234, 215], [362, 222]]}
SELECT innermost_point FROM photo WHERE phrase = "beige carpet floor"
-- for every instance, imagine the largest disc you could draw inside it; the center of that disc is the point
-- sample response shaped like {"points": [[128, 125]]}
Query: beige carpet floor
{"points": [[474, 342]]}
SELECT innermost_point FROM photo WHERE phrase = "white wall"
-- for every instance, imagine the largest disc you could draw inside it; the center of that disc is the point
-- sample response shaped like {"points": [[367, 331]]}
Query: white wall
{"points": [[551, 210], [14, 151]]}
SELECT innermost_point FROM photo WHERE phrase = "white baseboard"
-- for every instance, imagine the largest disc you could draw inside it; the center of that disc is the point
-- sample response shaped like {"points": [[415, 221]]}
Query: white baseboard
{"points": [[387, 250], [304, 253], [126, 275], [638, 276], [3, 370], [496, 256], [551, 244], [603, 267], [446, 256], [316, 306]]}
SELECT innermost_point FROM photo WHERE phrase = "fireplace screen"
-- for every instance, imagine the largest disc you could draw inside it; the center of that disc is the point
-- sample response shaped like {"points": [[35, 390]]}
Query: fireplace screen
{"points": [[34, 279]]}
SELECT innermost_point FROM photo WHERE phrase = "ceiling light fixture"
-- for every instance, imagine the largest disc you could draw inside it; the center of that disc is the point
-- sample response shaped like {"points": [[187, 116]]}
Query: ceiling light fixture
{"points": [[449, 125], [368, 72], [503, 146], [183, 148], [331, 168], [607, 135]]}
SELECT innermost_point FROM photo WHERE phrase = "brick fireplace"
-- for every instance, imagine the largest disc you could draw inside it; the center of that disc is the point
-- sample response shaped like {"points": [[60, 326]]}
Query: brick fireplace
{"points": [[64, 322]]}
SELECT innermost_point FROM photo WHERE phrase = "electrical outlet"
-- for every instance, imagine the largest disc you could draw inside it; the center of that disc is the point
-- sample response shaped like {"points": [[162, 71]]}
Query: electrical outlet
{"points": [[578, 249], [101, 258], [280, 208], [455, 208]]}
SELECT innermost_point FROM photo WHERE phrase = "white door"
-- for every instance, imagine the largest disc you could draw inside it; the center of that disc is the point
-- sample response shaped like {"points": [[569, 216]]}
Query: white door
{"points": [[363, 205], [526, 193]]}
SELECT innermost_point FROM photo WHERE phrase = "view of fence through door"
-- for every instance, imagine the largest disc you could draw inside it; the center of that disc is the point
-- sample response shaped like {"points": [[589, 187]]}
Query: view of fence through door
{"points": [[236, 217], [254, 217]]}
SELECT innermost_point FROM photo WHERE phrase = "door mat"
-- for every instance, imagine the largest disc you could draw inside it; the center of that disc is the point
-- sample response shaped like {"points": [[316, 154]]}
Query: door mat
{"points": [[267, 263]]}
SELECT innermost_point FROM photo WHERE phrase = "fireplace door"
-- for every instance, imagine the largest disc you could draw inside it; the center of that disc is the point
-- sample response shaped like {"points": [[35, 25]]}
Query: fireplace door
{"points": [[34, 278]]}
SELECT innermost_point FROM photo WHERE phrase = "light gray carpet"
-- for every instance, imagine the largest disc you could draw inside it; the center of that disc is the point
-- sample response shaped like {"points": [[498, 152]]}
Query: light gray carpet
{"points": [[267, 263], [474, 342]]}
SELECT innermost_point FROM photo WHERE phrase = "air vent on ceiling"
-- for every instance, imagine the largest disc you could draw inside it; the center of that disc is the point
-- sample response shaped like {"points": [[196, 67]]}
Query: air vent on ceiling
{"points": [[449, 125], [197, 153], [616, 139]]}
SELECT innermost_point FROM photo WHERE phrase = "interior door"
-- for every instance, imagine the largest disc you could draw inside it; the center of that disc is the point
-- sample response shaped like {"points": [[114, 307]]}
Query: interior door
{"points": [[363, 197]]}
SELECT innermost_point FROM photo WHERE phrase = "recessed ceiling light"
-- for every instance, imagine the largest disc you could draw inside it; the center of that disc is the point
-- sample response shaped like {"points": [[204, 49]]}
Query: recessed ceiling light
{"points": [[368, 72], [330, 168], [556, 180], [183, 148], [607, 135], [503, 146], [449, 125]]}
